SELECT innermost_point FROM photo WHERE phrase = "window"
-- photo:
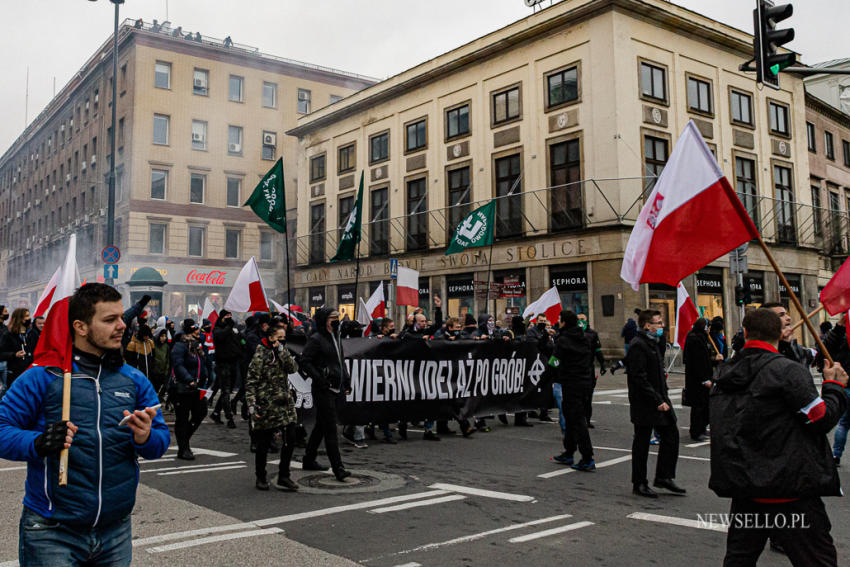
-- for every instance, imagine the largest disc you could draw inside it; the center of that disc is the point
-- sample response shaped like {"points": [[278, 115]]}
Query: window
{"points": [[457, 121], [655, 157], [506, 106], [699, 95], [829, 145], [845, 145], [317, 168], [196, 187], [653, 82], [347, 159], [562, 87], [417, 215], [509, 194], [416, 135], [196, 240], [459, 190], [335, 98], [565, 180], [745, 178], [231, 242], [269, 95], [266, 246], [162, 75], [304, 97], [379, 147], [835, 219], [786, 227], [235, 89], [156, 241], [810, 137], [778, 118], [345, 206], [317, 233], [160, 129], [269, 150], [817, 216], [234, 140], [379, 231], [120, 133], [234, 188], [200, 82], [199, 135]]}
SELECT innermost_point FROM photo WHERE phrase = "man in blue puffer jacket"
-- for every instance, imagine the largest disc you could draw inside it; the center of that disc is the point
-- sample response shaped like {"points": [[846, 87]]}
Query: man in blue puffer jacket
{"points": [[87, 521]]}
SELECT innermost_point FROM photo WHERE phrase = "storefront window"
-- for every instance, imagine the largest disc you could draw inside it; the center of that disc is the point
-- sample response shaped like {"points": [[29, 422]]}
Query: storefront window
{"points": [[663, 298], [571, 281], [316, 299], [785, 298], [425, 296], [194, 306], [512, 299], [710, 294], [347, 301], [460, 296]]}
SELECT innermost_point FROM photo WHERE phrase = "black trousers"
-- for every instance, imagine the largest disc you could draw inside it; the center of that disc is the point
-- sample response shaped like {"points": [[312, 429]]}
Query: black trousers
{"points": [[576, 435], [668, 451], [588, 403], [699, 417], [801, 527], [325, 428], [264, 438], [189, 412], [225, 375]]}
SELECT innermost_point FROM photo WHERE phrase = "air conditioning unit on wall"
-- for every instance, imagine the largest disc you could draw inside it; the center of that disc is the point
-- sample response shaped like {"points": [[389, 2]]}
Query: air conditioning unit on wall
{"points": [[197, 137], [235, 148], [270, 139]]}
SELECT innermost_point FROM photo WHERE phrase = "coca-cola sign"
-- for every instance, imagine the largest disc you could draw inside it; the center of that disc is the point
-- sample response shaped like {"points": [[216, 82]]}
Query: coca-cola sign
{"points": [[214, 277]]}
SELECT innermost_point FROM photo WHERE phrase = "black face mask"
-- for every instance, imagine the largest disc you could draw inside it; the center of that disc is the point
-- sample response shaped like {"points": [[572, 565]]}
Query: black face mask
{"points": [[27, 323], [335, 326], [541, 326], [454, 333], [4, 317]]}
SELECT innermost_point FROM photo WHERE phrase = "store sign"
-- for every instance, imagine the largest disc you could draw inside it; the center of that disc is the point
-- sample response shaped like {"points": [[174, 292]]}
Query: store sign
{"points": [[755, 284], [317, 296], [424, 287], [346, 294], [709, 283], [513, 286], [569, 281], [460, 288], [213, 277], [795, 286]]}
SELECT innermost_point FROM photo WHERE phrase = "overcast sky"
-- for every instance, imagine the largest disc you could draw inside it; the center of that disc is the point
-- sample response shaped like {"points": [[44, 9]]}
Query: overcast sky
{"points": [[378, 38]]}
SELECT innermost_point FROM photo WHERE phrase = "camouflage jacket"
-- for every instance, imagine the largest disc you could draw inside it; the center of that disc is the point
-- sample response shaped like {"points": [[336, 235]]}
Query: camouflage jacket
{"points": [[268, 390]]}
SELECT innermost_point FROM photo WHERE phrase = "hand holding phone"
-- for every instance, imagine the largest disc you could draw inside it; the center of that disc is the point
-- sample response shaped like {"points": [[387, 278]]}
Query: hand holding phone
{"points": [[127, 417]]}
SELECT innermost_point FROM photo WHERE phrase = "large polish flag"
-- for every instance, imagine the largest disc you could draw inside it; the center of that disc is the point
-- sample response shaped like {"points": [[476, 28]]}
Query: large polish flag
{"points": [[548, 304], [54, 345], [691, 218], [407, 289], [285, 310], [686, 315], [46, 299], [209, 312], [248, 293], [835, 295], [373, 308]]}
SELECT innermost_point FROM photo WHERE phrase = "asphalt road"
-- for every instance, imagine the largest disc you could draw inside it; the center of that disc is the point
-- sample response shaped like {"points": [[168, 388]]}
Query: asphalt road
{"points": [[493, 499]]}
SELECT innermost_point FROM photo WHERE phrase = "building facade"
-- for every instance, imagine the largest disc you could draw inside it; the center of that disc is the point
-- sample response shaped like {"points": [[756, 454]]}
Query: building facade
{"points": [[565, 118], [199, 122]]}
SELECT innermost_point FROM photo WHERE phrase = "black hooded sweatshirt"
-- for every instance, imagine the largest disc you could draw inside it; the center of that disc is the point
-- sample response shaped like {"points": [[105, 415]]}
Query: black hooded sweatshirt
{"points": [[575, 358], [323, 357]]}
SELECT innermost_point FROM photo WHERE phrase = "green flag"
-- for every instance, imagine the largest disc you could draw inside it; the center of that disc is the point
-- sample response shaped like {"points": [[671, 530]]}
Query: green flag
{"points": [[351, 233], [268, 200], [474, 230]]}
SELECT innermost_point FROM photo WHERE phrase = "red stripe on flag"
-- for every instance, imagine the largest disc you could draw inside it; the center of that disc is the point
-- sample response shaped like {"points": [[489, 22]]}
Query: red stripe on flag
{"points": [[407, 296], [553, 313], [54, 344], [835, 295], [258, 297], [44, 305], [680, 244]]}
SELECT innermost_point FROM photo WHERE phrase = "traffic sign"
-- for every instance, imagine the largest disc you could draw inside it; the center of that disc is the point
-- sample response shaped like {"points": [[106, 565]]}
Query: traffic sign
{"points": [[393, 268], [110, 255], [110, 271]]}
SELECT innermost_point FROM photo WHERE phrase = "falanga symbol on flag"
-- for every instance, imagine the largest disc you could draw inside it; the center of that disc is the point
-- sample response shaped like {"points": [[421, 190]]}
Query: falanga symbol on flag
{"points": [[474, 230]]}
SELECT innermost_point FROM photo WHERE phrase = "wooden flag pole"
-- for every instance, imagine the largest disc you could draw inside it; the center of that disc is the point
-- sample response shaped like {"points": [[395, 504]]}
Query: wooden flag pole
{"points": [[66, 416], [717, 350], [810, 315], [794, 299]]}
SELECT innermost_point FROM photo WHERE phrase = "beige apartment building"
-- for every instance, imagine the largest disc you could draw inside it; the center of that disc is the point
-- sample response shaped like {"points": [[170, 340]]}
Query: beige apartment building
{"points": [[199, 121], [563, 117]]}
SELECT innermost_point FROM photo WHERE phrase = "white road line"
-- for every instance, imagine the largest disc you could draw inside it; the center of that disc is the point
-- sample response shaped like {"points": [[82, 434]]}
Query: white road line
{"points": [[672, 520], [20, 468], [429, 502], [412, 564], [482, 492], [473, 537], [651, 453], [553, 531], [192, 533], [297, 466], [610, 392], [211, 469], [605, 403], [213, 539], [699, 444], [601, 465], [690, 458], [212, 453], [348, 507], [184, 467], [13, 563]]}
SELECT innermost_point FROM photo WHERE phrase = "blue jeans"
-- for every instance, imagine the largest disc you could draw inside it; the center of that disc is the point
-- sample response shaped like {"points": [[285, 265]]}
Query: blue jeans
{"points": [[841, 431], [45, 542], [559, 399]]}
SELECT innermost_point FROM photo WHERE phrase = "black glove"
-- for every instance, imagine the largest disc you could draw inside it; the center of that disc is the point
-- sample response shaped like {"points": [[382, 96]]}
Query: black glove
{"points": [[738, 341], [144, 300], [52, 440]]}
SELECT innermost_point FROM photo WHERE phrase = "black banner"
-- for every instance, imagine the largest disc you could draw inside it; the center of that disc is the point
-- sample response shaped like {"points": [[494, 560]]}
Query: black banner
{"points": [[394, 380]]}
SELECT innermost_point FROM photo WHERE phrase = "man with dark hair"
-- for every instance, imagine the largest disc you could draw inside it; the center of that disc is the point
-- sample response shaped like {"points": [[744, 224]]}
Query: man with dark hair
{"points": [[228, 352], [35, 331], [87, 521], [788, 346], [769, 449], [700, 360], [650, 407]]}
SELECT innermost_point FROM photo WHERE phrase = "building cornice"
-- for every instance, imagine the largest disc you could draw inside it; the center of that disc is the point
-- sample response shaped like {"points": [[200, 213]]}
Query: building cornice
{"points": [[820, 106]]}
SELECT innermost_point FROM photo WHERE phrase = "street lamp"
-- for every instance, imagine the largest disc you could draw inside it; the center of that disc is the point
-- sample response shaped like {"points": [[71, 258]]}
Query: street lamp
{"points": [[110, 201]]}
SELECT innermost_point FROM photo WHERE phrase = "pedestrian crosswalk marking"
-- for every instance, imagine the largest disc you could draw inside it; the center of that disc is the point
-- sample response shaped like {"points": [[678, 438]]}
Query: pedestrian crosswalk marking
{"points": [[550, 532], [214, 539], [481, 492], [601, 465], [673, 520], [418, 503]]}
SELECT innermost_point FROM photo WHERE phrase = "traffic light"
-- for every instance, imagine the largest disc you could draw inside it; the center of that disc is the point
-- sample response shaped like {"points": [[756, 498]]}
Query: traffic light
{"points": [[739, 295], [768, 40]]}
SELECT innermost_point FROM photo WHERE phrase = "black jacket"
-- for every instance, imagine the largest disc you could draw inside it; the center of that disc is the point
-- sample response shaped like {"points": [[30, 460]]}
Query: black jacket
{"points": [[411, 333], [187, 365], [323, 358], [11, 343], [698, 356], [595, 346], [575, 358], [253, 338], [768, 429], [228, 346], [32, 337], [835, 342], [647, 382]]}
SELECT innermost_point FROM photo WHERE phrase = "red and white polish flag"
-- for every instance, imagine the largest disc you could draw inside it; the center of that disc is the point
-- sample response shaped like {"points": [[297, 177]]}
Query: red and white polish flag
{"points": [[248, 293], [407, 287], [691, 218], [54, 345], [835, 295], [548, 304], [285, 310], [209, 312], [686, 315], [373, 308], [46, 299]]}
